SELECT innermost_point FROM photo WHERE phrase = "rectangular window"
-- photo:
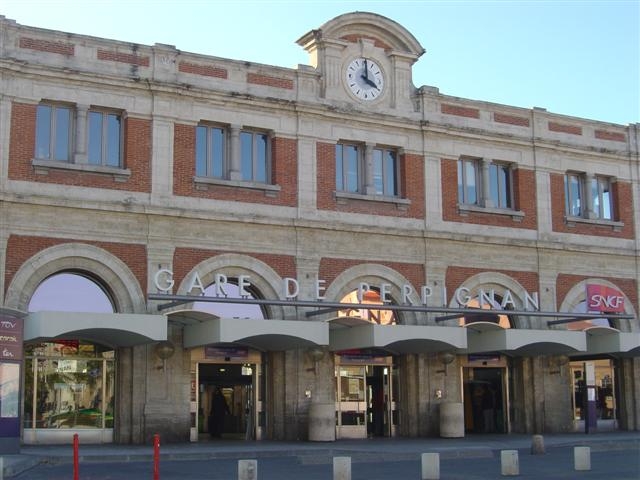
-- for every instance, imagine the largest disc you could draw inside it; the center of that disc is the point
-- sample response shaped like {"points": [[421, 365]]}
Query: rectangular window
{"points": [[468, 176], [573, 188], [348, 167], [254, 156], [210, 152], [602, 198], [53, 133], [500, 181], [385, 172], [104, 132]]}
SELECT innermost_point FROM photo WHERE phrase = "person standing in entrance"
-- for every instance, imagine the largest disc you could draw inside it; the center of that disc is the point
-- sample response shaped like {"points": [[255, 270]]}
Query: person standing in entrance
{"points": [[219, 410]]}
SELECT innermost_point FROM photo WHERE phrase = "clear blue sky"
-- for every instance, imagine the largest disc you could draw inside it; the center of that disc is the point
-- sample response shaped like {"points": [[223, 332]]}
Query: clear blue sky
{"points": [[578, 58]]}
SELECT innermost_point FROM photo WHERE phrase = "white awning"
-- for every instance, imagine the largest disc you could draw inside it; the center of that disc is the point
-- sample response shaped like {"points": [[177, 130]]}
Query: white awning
{"points": [[111, 329], [611, 340], [489, 337], [266, 335], [396, 338]]}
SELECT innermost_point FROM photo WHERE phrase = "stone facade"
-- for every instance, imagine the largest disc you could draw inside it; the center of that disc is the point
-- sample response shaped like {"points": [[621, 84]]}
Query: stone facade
{"points": [[122, 224]]}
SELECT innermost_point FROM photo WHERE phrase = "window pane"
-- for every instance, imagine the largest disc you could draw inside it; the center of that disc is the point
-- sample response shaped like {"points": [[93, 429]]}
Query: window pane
{"points": [[95, 138], [595, 197], [504, 187], [201, 151], [43, 131], [377, 172], [494, 190], [607, 207], [390, 169], [9, 390], [339, 168], [217, 151], [113, 140], [575, 208], [69, 393], [352, 168], [246, 157], [260, 173], [470, 181], [62, 129]]}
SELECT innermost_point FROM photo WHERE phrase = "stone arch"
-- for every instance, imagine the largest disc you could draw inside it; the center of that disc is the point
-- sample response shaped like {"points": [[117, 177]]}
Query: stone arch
{"points": [[372, 25], [263, 278], [499, 282], [123, 285], [373, 274], [577, 294]]}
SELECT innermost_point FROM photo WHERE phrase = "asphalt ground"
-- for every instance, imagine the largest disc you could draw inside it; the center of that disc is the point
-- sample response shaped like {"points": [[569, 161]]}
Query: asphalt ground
{"points": [[614, 455]]}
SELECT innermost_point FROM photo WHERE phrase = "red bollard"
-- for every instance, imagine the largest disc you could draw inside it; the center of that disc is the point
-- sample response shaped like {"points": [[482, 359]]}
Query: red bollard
{"points": [[76, 467], [156, 457]]}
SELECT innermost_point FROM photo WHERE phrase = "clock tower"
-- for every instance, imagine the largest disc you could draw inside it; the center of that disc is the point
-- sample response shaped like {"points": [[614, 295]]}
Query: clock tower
{"points": [[364, 59]]}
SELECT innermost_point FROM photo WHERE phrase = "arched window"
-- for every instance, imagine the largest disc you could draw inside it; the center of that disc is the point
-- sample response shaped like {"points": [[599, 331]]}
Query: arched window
{"points": [[370, 297], [582, 324], [71, 292], [231, 310], [69, 382], [491, 305]]}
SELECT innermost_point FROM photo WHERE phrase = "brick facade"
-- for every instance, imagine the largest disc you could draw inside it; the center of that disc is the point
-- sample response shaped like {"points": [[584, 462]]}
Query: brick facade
{"points": [[185, 259], [137, 156], [20, 248], [284, 173], [623, 212], [524, 196]]}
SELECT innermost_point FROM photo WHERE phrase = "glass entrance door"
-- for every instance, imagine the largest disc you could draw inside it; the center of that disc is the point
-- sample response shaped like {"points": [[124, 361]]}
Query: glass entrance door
{"points": [[351, 405], [485, 400], [365, 401], [229, 401]]}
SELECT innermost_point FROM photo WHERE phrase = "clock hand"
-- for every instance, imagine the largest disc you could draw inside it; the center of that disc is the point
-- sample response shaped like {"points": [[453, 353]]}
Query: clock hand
{"points": [[369, 82], [366, 71]]}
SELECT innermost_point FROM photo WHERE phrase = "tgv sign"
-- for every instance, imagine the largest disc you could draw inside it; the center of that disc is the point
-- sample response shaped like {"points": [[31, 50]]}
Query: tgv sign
{"points": [[164, 282]]}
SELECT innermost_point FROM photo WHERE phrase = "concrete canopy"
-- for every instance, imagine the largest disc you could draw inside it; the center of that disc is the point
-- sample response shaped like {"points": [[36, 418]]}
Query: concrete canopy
{"points": [[397, 338], [111, 329], [610, 340], [489, 337], [261, 334]]}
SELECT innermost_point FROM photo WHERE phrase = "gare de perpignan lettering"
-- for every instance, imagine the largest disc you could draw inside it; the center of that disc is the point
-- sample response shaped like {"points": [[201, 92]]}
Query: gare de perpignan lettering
{"points": [[163, 281]]}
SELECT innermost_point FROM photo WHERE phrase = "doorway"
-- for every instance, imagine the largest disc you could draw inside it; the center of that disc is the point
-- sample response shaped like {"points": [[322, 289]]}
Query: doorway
{"points": [[485, 400], [606, 395], [227, 401], [365, 401]]}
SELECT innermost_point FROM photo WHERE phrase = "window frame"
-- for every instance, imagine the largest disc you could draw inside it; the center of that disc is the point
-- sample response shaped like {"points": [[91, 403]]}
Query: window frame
{"points": [[342, 167], [598, 199], [52, 130], [210, 160], [508, 185], [105, 138], [463, 183], [256, 160], [570, 196], [390, 187]]}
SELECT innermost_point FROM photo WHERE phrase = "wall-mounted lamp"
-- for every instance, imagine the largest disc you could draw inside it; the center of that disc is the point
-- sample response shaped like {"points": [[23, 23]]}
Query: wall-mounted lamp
{"points": [[561, 361], [164, 350], [446, 358], [315, 354]]}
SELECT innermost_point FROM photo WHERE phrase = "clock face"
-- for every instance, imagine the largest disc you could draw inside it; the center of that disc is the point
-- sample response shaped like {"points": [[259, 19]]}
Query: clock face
{"points": [[365, 79]]}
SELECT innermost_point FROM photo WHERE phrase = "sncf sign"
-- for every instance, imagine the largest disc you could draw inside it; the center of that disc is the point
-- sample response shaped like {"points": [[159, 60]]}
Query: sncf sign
{"points": [[601, 298]]}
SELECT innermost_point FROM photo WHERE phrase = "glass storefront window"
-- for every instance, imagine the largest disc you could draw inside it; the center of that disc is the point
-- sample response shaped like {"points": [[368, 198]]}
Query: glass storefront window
{"points": [[69, 385]]}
